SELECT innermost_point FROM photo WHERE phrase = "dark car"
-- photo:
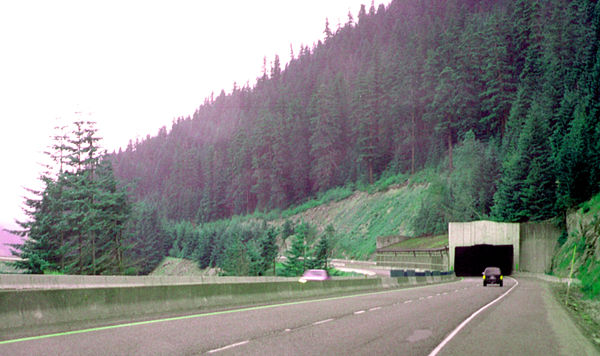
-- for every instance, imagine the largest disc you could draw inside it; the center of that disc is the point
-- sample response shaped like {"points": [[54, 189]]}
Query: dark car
{"points": [[314, 275], [492, 275]]}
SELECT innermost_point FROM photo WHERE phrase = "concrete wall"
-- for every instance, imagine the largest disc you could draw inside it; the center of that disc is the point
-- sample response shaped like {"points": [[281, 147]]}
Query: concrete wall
{"points": [[483, 232], [538, 243], [423, 260], [39, 281], [27, 312]]}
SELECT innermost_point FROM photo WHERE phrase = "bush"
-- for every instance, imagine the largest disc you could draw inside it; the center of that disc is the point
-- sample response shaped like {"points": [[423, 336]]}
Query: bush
{"points": [[388, 180], [590, 278]]}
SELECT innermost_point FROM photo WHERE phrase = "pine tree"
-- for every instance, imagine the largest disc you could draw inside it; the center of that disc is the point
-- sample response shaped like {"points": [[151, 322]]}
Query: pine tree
{"points": [[323, 249], [326, 143], [295, 263], [366, 124], [327, 31], [39, 252], [236, 261], [149, 241], [527, 189], [578, 154], [76, 223], [268, 250], [112, 212], [287, 230]]}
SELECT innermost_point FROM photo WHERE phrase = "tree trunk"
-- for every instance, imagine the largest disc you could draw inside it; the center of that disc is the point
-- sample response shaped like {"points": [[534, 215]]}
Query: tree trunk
{"points": [[80, 254], [93, 254], [412, 143], [450, 165]]}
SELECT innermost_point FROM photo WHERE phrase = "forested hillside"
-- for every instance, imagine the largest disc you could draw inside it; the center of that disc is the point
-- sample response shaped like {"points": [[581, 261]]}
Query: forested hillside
{"points": [[495, 102], [394, 91]]}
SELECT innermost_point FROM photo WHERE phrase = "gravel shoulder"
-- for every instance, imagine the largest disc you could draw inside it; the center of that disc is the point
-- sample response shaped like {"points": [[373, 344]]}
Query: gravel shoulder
{"points": [[585, 313]]}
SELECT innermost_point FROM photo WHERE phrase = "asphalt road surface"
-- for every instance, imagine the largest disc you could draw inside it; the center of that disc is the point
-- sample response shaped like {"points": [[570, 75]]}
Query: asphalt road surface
{"points": [[413, 321]]}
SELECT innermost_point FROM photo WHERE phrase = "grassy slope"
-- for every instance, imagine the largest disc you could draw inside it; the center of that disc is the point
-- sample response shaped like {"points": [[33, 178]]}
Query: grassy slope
{"points": [[583, 303], [584, 229], [172, 266], [362, 217], [423, 242]]}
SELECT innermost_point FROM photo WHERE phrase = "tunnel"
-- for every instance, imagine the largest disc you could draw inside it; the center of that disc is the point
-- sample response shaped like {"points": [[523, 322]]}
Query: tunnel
{"points": [[472, 260]]}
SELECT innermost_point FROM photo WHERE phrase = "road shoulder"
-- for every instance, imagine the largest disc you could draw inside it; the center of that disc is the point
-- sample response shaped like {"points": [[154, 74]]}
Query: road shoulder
{"points": [[527, 322], [571, 340]]}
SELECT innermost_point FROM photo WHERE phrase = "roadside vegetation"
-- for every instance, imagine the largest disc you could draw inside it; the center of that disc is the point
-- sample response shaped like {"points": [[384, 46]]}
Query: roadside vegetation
{"points": [[583, 310], [423, 242], [579, 248], [8, 268]]}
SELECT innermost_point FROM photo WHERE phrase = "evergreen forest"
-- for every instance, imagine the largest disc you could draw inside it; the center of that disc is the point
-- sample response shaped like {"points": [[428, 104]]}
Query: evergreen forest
{"points": [[397, 90], [500, 98]]}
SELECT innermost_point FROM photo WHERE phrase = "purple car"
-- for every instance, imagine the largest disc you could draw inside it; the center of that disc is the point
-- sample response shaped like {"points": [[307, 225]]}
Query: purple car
{"points": [[314, 275]]}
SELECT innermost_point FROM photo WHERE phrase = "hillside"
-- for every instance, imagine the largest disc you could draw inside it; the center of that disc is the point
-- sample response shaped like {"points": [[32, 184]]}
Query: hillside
{"points": [[359, 219], [580, 247], [396, 90], [491, 99]]}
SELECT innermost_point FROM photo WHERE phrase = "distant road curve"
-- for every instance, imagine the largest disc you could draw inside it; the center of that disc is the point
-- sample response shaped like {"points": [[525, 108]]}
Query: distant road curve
{"points": [[368, 268]]}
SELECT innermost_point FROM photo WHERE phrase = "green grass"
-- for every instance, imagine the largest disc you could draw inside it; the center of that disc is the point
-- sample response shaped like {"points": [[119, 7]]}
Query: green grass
{"points": [[586, 266], [423, 242], [53, 272], [332, 195], [172, 266], [591, 206], [360, 218]]}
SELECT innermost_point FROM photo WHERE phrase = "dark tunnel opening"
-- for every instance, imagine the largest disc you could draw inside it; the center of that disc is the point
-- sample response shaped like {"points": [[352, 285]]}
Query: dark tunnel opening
{"points": [[472, 260]]}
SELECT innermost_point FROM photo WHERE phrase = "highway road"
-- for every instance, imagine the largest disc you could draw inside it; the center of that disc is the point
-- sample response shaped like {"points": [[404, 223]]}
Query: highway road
{"points": [[412, 321]]}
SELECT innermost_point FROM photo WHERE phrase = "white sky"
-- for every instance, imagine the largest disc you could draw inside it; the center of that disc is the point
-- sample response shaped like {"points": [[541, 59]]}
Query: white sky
{"points": [[132, 66]]}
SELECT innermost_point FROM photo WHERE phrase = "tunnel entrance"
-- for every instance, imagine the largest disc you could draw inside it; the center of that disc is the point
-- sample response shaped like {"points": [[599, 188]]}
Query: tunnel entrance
{"points": [[472, 260]]}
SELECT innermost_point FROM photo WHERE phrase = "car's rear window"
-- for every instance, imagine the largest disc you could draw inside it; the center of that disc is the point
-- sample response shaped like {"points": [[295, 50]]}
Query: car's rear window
{"points": [[492, 270]]}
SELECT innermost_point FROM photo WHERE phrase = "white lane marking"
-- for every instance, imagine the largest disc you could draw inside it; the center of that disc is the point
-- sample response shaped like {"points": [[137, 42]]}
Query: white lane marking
{"points": [[375, 308], [229, 346], [466, 321], [359, 312], [445, 293], [322, 321], [223, 312], [287, 330], [429, 296], [438, 294], [407, 301], [421, 298]]}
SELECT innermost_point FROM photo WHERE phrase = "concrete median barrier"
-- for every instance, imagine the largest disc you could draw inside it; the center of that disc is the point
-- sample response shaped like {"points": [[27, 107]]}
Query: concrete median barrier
{"points": [[24, 312]]}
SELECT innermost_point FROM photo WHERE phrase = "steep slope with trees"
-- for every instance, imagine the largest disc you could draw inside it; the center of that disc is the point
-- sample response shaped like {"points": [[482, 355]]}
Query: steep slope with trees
{"points": [[395, 91], [498, 98]]}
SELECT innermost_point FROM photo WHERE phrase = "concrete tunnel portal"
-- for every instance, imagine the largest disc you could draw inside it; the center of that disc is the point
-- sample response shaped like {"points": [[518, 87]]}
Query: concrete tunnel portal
{"points": [[472, 260], [475, 245]]}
